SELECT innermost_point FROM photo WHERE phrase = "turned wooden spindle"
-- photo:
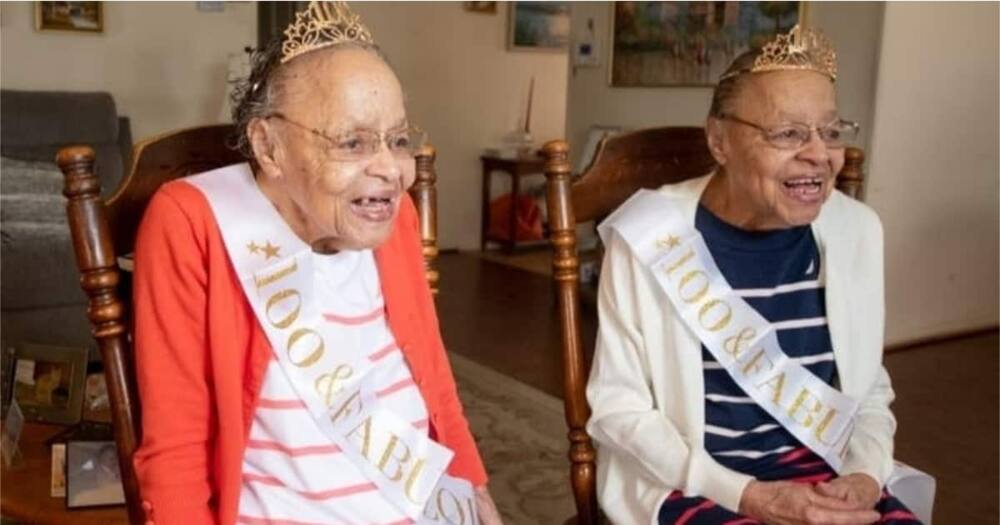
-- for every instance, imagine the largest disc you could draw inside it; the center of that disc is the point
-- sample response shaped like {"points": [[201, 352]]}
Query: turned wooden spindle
{"points": [[425, 196], [99, 278], [851, 178], [565, 268]]}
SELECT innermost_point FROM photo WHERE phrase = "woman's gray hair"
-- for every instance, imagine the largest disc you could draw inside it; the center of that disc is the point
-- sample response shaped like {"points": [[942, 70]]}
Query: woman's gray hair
{"points": [[256, 96], [727, 89]]}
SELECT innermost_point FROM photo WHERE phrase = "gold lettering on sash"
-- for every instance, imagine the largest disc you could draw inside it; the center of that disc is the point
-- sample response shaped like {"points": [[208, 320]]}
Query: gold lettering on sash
{"points": [[722, 322], [288, 319], [365, 434], [823, 425], [753, 366], [388, 456], [456, 505], [669, 242], [317, 352], [349, 407], [327, 384], [412, 477], [800, 400], [688, 277], [776, 383], [735, 345], [680, 262], [472, 510], [276, 276], [847, 441]]}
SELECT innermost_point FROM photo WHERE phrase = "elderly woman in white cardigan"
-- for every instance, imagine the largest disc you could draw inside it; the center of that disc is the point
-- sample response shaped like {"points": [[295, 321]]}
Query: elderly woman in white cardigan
{"points": [[738, 373]]}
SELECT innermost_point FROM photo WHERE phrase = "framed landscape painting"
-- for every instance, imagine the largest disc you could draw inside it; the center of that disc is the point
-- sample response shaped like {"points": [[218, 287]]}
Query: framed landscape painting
{"points": [[538, 26], [689, 43]]}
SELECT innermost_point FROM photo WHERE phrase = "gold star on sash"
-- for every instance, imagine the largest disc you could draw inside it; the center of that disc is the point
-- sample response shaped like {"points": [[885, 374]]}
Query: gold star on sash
{"points": [[252, 247], [670, 241], [270, 250]]}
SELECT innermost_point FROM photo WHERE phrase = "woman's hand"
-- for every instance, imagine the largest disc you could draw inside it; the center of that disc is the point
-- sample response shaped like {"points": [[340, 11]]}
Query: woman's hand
{"points": [[859, 490], [487, 510], [790, 503]]}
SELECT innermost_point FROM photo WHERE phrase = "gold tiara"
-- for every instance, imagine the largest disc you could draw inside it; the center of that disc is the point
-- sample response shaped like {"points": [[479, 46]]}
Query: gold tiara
{"points": [[801, 49], [320, 25]]}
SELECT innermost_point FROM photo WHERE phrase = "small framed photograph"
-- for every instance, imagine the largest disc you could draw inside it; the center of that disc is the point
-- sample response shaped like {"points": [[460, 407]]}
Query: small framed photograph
{"points": [[481, 7], [93, 478], [96, 405], [57, 487], [12, 426], [538, 26], [69, 16], [49, 382]]}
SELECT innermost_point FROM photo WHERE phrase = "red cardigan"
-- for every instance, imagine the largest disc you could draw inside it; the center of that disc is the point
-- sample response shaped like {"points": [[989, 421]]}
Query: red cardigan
{"points": [[201, 357]]}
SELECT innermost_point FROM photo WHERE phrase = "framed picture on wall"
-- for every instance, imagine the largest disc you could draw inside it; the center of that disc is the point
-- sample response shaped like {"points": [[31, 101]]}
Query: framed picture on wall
{"points": [[69, 16], [689, 43], [538, 26], [481, 7]]}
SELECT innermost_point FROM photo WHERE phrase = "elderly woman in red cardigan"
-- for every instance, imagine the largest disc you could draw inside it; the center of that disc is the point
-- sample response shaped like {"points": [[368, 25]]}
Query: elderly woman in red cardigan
{"points": [[289, 359]]}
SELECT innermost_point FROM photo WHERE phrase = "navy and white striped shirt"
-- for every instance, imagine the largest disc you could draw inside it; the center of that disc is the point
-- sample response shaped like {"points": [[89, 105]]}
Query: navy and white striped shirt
{"points": [[777, 273]]}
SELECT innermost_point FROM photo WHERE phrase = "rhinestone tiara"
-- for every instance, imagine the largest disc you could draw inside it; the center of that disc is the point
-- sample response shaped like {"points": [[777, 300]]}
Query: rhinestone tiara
{"points": [[800, 49], [320, 25]]}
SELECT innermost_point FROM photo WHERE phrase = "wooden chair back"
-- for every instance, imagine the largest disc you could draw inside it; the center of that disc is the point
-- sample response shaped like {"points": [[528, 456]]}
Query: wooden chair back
{"points": [[622, 165], [102, 231]]}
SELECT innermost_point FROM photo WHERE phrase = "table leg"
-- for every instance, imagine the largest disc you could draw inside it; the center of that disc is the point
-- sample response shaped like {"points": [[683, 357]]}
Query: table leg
{"points": [[515, 191], [484, 222]]}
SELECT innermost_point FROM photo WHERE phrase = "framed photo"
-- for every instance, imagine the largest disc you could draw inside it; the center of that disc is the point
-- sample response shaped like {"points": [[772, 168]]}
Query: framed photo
{"points": [[96, 404], [93, 478], [57, 485], [49, 382], [689, 43], [481, 7], [69, 16], [538, 26]]}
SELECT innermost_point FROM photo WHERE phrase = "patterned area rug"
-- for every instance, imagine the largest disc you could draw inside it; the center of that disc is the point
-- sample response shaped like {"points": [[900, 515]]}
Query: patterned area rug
{"points": [[521, 435]]}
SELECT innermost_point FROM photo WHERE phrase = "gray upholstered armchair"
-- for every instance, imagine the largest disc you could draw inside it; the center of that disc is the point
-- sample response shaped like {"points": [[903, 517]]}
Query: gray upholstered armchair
{"points": [[40, 299]]}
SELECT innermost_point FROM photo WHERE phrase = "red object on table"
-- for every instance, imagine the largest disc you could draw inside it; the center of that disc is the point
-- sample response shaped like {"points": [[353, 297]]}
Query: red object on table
{"points": [[528, 223], [516, 168]]}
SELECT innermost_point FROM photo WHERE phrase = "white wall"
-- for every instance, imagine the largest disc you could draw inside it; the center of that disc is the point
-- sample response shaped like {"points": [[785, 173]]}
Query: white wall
{"points": [[164, 62], [467, 91], [935, 174], [853, 26]]}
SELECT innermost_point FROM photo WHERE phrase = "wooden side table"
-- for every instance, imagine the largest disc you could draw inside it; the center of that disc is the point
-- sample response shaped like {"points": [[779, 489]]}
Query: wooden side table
{"points": [[516, 168], [26, 486]]}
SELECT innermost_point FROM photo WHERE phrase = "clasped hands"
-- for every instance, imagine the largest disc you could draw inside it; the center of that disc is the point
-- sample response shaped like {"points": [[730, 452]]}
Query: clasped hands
{"points": [[847, 500]]}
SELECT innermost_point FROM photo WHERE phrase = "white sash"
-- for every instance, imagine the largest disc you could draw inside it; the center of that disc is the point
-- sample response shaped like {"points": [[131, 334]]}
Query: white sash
{"points": [[335, 384], [739, 338]]}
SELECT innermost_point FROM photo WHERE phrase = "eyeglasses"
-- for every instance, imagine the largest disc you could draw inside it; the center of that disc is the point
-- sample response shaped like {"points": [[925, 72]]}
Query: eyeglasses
{"points": [[360, 144], [837, 134]]}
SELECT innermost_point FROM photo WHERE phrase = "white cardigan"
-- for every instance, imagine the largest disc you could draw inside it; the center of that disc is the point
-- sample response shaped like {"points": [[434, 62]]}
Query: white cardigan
{"points": [[646, 387]]}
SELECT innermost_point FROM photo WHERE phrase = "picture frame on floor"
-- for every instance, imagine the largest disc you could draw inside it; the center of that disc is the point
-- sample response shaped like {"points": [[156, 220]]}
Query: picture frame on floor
{"points": [[49, 382]]}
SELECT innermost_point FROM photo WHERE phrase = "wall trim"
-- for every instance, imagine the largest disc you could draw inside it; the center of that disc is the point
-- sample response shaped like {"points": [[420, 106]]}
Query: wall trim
{"points": [[919, 342]]}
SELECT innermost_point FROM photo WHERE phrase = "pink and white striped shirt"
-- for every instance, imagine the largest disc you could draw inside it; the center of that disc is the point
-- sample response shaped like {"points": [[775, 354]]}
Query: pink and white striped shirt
{"points": [[292, 473]]}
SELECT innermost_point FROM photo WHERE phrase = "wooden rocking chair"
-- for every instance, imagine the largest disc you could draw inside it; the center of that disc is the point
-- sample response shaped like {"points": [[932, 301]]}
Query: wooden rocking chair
{"points": [[103, 231], [622, 165]]}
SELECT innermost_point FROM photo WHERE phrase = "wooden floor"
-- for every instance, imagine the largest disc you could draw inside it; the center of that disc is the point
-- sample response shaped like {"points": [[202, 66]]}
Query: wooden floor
{"points": [[947, 393]]}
